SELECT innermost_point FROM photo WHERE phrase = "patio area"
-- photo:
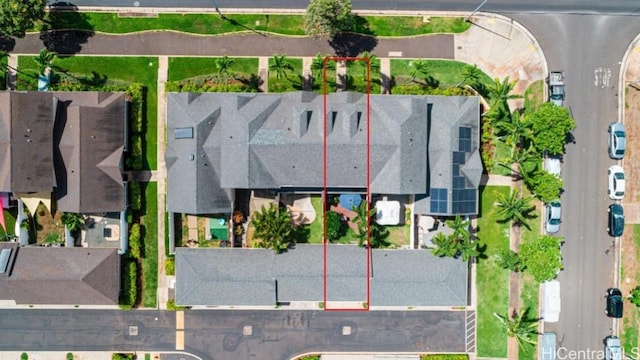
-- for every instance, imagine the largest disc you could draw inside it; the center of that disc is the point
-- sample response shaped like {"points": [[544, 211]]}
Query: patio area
{"points": [[101, 231]]}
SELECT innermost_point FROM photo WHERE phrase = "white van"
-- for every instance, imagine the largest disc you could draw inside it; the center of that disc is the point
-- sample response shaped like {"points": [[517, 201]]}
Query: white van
{"points": [[551, 304]]}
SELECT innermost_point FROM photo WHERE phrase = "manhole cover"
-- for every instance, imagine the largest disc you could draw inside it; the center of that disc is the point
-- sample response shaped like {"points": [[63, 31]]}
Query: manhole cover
{"points": [[133, 331]]}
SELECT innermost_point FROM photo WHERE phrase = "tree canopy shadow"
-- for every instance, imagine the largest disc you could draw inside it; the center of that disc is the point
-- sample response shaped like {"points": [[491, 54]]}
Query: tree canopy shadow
{"points": [[352, 44], [7, 43], [65, 29]]}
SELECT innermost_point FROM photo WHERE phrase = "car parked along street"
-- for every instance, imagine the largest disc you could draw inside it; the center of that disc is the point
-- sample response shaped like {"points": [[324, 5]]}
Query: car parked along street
{"points": [[616, 182], [612, 348], [614, 303], [617, 140], [552, 219], [615, 223]]}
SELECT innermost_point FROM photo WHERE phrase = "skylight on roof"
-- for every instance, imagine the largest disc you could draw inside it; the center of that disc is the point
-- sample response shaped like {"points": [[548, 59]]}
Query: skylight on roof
{"points": [[183, 133]]}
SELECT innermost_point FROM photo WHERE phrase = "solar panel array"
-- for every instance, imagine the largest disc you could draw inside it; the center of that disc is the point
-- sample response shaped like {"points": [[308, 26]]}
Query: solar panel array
{"points": [[464, 195], [438, 200]]}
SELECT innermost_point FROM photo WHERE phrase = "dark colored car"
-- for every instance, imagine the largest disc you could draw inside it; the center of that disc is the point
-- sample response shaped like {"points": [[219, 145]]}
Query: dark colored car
{"points": [[614, 303], [615, 226]]}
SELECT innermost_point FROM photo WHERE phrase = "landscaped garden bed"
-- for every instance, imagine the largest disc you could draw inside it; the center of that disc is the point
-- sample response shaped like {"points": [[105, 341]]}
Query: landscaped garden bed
{"points": [[214, 74], [285, 74]]}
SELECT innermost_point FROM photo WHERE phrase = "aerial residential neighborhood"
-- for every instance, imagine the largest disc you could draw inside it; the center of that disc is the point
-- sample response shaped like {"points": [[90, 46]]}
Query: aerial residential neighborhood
{"points": [[241, 179]]}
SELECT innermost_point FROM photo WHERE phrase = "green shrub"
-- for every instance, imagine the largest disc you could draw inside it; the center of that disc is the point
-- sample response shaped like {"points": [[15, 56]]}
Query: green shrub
{"points": [[546, 186], [210, 83], [136, 160], [135, 196], [134, 241], [171, 306], [335, 228], [417, 89], [137, 93], [69, 356], [170, 266], [119, 356], [445, 357], [24, 356], [129, 292]]}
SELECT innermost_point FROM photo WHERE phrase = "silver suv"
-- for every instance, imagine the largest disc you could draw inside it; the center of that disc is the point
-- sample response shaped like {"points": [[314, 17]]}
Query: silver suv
{"points": [[617, 140], [612, 350]]}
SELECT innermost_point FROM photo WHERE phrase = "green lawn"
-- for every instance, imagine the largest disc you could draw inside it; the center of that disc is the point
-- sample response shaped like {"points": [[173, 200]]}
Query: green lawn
{"points": [[492, 281], [631, 321], [10, 220], [150, 260], [529, 287], [501, 155], [292, 81], [117, 69], [181, 68], [534, 96], [3, 74], [281, 24], [446, 72]]}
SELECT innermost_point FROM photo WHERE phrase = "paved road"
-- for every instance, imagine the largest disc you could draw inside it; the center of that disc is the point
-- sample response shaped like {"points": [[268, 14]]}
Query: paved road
{"points": [[218, 335], [589, 49], [528, 6]]}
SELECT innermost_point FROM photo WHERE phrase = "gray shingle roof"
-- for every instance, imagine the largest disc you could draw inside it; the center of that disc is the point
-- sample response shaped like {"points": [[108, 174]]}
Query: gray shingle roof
{"points": [[274, 141], [248, 276], [25, 136], [90, 130], [79, 153], [71, 276]]}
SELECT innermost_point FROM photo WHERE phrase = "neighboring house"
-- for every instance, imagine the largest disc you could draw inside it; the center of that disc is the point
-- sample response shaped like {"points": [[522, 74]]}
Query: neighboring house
{"points": [[67, 147], [254, 277], [423, 146], [61, 276]]}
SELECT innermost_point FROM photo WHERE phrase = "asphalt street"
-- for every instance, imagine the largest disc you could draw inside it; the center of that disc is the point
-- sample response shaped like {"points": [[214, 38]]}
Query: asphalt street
{"points": [[589, 49], [220, 335]]}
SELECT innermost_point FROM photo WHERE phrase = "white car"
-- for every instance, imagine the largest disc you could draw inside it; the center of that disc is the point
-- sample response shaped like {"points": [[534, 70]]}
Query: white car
{"points": [[616, 182], [612, 349], [552, 220]]}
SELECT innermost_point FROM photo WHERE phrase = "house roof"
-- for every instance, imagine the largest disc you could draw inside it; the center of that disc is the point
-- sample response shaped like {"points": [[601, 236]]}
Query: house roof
{"points": [[249, 276], [26, 125], [70, 141], [193, 157], [71, 276], [90, 131], [275, 141]]}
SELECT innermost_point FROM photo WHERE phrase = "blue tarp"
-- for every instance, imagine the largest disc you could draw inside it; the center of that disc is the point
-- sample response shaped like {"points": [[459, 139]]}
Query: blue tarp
{"points": [[350, 201]]}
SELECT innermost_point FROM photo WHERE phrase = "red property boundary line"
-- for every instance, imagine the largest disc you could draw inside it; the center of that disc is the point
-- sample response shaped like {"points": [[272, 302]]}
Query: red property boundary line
{"points": [[324, 191]]}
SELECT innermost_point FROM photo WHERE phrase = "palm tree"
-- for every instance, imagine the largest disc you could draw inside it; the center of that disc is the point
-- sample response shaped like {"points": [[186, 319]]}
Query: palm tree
{"points": [[72, 221], [500, 94], [223, 65], [420, 67], [467, 248], [273, 227], [515, 130], [470, 75], [280, 66], [362, 221], [445, 245], [460, 228], [374, 65], [513, 208], [520, 326], [527, 160], [45, 60]]}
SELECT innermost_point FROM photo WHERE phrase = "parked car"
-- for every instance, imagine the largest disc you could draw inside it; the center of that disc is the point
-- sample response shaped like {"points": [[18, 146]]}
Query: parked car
{"points": [[615, 225], [552, 165], [612, 349], [552, 220], [614, 303], [616, 182], [617, 140]]}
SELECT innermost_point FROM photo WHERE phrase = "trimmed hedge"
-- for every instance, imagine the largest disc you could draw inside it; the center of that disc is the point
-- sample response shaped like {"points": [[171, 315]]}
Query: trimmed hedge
{"points": [[134, 241], [119, 356], [169, 266], [445, 357], [424, 90], [136, 152], [211, 83], [129, 291], [135, 196]]}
